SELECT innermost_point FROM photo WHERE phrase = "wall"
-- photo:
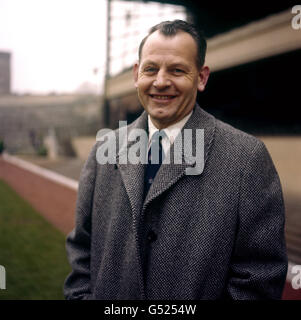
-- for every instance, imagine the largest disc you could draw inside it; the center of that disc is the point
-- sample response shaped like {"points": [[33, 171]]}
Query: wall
{"points": [[5, 73], [25, 121]]}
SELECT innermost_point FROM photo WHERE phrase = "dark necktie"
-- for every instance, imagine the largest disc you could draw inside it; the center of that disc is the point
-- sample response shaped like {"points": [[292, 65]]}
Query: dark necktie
{"points": [[155, 158]]}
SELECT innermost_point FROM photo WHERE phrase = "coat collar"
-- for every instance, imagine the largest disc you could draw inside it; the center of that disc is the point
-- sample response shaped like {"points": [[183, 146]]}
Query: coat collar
{"points": [[168, 174], [133, 174]]}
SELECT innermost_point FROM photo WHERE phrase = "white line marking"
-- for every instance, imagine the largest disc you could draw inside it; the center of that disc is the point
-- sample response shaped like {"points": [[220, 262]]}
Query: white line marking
{"points": [[48, 174]]}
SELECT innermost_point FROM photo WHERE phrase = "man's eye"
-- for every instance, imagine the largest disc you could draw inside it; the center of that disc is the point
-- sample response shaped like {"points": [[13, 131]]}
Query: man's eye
{"points": [[150, 69], [178, 70]]}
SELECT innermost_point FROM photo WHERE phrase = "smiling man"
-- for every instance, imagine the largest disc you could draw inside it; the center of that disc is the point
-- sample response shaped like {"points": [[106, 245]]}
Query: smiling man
{"points": [[155, 232], [168, 77]]}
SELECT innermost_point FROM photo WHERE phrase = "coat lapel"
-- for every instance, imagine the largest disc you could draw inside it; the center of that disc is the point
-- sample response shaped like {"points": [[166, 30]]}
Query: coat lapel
{"points": [[133, 174], [169, 174]]}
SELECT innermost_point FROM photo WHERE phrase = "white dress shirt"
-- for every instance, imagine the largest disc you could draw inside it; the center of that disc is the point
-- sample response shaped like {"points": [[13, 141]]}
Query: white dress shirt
{"points": [[171, 132]]}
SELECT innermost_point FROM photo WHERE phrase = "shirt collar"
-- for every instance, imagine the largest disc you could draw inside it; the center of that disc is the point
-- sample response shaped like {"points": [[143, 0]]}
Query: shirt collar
{"points": [[172, 131]]}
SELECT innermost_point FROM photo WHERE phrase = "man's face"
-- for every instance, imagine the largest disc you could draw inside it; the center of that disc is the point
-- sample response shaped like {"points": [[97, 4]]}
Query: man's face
{"points": [[167, 78]]}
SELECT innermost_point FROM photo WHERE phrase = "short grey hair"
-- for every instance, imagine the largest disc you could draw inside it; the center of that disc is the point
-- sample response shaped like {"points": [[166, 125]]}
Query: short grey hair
{"points": [[171, 28]]}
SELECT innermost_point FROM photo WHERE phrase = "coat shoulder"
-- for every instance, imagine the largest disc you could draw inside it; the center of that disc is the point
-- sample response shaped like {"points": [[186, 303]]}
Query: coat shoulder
{"points": [[235, 140]]}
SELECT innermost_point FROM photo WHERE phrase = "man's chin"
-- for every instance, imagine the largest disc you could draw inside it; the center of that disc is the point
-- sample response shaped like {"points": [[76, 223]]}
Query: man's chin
{"points": [[160, 112], [159, 116], [162, 120]]}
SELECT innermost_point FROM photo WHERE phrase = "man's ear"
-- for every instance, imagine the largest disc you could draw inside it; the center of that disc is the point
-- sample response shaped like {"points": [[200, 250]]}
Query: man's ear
{"points": [[135, 73], [203, 78]]}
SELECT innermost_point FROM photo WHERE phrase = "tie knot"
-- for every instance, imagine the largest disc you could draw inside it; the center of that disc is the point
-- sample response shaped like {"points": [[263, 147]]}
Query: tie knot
{"points": [[156, 154], [158, 136]]}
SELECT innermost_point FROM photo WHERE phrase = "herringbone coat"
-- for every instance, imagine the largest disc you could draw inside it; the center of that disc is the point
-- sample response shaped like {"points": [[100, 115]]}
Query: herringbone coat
{"points": [[220, 234]]}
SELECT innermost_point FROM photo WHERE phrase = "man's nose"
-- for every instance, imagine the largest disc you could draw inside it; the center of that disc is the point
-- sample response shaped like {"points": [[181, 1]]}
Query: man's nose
{"points": [[162, 81]]}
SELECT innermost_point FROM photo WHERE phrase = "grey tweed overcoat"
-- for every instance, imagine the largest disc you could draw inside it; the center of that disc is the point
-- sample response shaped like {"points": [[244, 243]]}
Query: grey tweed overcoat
{"points": [[220, 234]]}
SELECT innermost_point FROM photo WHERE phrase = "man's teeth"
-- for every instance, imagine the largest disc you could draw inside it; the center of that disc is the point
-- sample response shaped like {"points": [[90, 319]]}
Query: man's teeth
{"points": [[163, 97]]}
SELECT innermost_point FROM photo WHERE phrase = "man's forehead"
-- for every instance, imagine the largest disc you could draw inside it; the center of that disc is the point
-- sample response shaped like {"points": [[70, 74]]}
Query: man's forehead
{"points": [[181, 43]]}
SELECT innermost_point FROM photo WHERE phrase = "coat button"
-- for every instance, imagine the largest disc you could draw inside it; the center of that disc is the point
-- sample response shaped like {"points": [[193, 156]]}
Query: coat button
{"points": [[151, 236]]}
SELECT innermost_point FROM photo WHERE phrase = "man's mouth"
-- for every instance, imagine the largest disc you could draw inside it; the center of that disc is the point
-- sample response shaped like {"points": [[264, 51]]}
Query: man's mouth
{"points": [[162, 97]]}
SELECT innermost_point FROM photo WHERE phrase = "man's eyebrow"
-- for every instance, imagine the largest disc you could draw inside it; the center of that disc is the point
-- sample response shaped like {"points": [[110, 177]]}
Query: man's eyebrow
{"points": [[178, 64], [149, 62], [172, 65]]}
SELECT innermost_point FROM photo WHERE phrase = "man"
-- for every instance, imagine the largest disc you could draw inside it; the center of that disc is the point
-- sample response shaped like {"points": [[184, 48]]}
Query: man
{"points": [[217, 233]]}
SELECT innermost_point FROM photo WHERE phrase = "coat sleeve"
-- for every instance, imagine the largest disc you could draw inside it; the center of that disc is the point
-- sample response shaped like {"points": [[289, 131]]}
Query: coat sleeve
{"points": [[259, 261], [77, 284]]}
